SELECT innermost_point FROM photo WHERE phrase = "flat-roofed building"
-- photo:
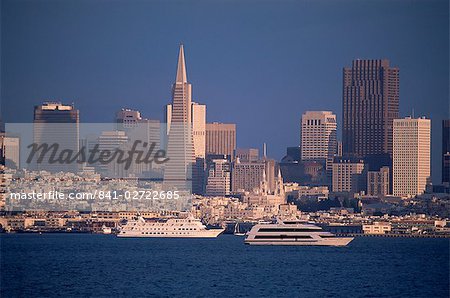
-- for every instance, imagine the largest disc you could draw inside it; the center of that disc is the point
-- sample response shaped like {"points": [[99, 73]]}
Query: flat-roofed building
{"points": [[220, 138], [412, 156]]}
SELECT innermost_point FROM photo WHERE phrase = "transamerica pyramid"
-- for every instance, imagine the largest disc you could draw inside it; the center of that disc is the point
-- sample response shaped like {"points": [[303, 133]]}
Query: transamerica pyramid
{"points": [[180, 148]]}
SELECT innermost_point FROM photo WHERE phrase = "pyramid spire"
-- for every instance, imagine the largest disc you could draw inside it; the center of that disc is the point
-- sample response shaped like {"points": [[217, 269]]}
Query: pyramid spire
{"points": [[181, 67]]}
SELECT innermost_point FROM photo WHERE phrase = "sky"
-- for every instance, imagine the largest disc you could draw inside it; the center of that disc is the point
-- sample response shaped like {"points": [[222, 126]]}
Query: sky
{"points": [[259, 64]]}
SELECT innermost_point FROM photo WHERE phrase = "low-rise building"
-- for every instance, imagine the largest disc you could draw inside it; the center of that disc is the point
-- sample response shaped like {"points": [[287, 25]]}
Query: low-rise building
{"points": [[377, 228]]}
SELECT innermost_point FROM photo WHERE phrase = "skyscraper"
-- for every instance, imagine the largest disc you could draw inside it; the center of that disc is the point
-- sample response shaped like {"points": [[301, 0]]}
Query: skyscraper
{"points": [[370, 104], [56, 123], [199, 129], [446, 151], [318, 137], [220, 138], [411, 158], [180, 148]]}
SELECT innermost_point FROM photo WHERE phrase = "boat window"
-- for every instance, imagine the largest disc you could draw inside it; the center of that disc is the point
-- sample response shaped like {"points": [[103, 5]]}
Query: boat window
{"points": [[289, 229], [283, 237]]}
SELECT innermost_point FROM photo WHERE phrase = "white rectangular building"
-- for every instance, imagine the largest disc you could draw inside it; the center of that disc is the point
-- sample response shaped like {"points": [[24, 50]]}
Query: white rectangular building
{"points": [[411, 156], [318, 137], [199, 129]]}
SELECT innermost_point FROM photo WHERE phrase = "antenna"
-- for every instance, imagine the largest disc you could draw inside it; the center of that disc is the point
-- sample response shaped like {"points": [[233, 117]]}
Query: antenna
{"points": [[264, 150]]}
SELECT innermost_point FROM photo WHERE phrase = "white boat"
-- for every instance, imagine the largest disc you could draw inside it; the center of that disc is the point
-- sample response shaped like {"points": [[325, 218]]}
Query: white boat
{"points": [[293, 233], [169, 228], [236, 230]]}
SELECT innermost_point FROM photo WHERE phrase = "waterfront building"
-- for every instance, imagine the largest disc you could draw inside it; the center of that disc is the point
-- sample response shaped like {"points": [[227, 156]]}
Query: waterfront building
{"points": [[411, 158], [220, 138], [318, 137], [377, 228], [349, 175], [370, 104], [56, 123]]}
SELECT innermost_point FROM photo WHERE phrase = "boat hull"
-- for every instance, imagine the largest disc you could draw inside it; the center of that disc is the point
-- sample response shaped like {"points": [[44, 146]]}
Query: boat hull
{"points": [[213, 233], [338, 241]]}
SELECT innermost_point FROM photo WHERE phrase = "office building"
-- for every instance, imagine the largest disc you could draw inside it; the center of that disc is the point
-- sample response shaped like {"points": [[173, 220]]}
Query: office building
{"points": [[10, 151], [378, 182], [56, 123], [247, 176], [111, 141], [411, 158], [370, 104], [141, 130], [198, 112], [220, 138], [318, 137], [349, 175], [219, 177], [247, 154], [180, 147], [339, 149], [199, 129]]}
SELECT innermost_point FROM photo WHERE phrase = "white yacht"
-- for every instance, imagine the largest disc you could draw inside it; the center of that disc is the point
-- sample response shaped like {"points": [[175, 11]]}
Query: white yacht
{"points": [[293, 232], [169, 228]]}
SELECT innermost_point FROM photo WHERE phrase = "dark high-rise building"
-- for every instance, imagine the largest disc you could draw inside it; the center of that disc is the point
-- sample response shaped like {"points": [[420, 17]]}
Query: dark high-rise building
{"points": [[56, 123], [370, 104], [446, 151]]}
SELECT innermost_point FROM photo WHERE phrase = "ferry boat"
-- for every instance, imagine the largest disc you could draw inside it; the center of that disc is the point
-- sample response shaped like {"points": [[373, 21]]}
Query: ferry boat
{"points": [[169, 228], [293, 232]]}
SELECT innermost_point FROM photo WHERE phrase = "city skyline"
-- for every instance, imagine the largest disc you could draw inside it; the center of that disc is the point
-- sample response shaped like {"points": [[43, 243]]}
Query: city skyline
{"points": [[189, 147], [214, 67]]}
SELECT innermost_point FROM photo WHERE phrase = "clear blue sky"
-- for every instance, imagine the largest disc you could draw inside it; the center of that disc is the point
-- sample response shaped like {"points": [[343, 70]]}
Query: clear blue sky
{"points": [[259, 64]]}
